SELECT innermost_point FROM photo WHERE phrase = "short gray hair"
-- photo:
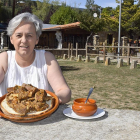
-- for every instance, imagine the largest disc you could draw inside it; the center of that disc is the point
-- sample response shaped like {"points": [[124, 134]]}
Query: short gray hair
{"points": [[27, 17]]}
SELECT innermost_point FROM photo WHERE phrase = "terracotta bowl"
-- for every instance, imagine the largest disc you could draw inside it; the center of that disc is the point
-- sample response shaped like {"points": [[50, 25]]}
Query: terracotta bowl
{"points": [[80, 108]]}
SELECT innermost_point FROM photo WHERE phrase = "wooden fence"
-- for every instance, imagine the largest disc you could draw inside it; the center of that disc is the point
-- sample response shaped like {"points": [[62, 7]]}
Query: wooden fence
{"points": [[125, 52], [70, 51], [92, 51]]}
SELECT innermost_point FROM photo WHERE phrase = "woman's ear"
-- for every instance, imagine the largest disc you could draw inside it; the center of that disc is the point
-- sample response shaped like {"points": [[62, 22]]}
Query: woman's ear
{"points": [[11, 39], [37, 40]]}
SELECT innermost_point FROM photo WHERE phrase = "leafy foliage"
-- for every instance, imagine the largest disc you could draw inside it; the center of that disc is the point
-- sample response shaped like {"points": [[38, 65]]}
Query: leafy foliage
{"points": [[64, 15], [5, 14], [41, 9], [45, 9], [111, 21], [130, 17], [88, 22]]}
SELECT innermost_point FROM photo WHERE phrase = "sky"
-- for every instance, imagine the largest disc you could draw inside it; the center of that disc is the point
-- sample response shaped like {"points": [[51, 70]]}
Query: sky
{"points": [[82, 3]]}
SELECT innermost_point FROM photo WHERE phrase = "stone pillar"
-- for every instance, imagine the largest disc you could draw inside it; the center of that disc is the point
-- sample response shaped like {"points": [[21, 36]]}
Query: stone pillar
{"points": [[120, 63], [87, 59], [72, 58], [96, 60], [133, 64], [107, 61], [65, 56], [105, 42], [79, 58], [96, 40]]}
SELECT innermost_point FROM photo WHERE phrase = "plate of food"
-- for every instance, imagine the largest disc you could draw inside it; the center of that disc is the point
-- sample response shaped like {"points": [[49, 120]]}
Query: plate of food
{"points": [[27, 103]]}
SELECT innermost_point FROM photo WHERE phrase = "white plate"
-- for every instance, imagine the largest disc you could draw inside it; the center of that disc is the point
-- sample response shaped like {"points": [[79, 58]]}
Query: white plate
{"points": [[69, 113]]}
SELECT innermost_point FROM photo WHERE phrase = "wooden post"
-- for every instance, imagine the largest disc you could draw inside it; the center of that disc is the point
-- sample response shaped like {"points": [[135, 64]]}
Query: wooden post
{"points": [[76, 50], [128, 55], [87, 59], [104, 52], [107, 62], [68, 50], [133, 64], [79, 58], [96, 60], [123, 46], [71, 49], [120, 63], [86, 49]]}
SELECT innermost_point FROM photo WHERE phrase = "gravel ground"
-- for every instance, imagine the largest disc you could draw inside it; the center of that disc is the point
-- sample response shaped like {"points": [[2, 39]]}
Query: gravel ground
{"points": [[114, 125]]}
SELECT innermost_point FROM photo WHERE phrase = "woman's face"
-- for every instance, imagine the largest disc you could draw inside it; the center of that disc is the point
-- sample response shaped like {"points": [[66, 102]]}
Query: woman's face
{"points": [[24, 38]]}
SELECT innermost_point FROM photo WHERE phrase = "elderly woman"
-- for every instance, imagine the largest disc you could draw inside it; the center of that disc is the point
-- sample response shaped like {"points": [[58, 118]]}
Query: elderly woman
{"points": [[27, 65]]}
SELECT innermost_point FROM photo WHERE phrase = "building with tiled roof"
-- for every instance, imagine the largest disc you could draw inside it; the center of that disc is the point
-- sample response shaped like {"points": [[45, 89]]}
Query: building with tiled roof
{"points": [[71, 33]]}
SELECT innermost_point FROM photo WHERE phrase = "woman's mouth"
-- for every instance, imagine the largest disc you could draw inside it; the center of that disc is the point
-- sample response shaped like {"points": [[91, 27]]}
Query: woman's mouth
{"points": [[24, 46]]}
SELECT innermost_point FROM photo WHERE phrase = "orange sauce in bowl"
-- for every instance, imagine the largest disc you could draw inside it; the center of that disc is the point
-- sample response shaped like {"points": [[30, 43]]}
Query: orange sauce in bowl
{"points": [[84, 109]]}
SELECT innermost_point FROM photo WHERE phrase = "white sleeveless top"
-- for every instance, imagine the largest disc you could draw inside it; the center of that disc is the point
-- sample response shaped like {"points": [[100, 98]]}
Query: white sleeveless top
{"points": [[35, 74]]}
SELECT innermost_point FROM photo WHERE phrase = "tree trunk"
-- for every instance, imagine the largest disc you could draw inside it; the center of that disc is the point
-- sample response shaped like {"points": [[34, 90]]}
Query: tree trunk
{"points": [[13, 9]]}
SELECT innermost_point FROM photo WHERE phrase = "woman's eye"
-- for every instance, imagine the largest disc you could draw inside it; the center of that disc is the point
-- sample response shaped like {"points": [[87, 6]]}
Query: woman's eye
{"points": [[18, 36], [29, 35]]}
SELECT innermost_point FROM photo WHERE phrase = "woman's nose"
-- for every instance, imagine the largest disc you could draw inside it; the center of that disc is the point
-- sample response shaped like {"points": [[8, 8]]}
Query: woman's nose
{"points": [[23, 39]]}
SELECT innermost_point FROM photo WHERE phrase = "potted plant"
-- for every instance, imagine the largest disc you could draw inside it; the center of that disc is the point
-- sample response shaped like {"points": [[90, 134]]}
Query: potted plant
{"points": [[130, 40], [135, 41]]}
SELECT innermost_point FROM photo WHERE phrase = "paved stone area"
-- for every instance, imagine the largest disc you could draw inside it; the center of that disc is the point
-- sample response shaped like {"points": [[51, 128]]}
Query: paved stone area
{"points": [[114, 125]]}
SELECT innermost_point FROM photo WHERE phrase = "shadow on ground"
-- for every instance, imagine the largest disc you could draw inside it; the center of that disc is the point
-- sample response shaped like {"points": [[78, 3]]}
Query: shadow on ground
{"points": [[69, 68]]}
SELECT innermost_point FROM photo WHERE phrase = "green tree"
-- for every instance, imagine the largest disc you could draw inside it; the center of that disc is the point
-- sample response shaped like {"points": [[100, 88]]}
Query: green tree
{"points": [[44, 9], [0, 6], [87, 21], [91, 24], [107, 11], [64, 15], [5, 13], [111, 22], [41, 9], [130, 17]]}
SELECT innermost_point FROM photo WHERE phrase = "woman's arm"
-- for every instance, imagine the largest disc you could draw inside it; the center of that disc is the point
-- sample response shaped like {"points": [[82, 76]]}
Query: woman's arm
{"points": [[56, 79], [3, 65]]}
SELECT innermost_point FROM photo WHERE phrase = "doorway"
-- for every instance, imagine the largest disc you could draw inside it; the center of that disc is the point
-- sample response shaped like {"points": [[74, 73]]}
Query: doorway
{"points": [[109, 39]]}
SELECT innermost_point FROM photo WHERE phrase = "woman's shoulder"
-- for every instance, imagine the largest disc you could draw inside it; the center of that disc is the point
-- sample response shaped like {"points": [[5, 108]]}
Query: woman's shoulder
{"points": [[49, 56], [3, 55], [48, 53], [4, 60]]}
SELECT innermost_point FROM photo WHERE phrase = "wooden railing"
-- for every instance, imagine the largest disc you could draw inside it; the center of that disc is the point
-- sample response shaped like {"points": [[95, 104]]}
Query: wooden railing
{"points": [[90, 51], [70, 51], [124, 51]]}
